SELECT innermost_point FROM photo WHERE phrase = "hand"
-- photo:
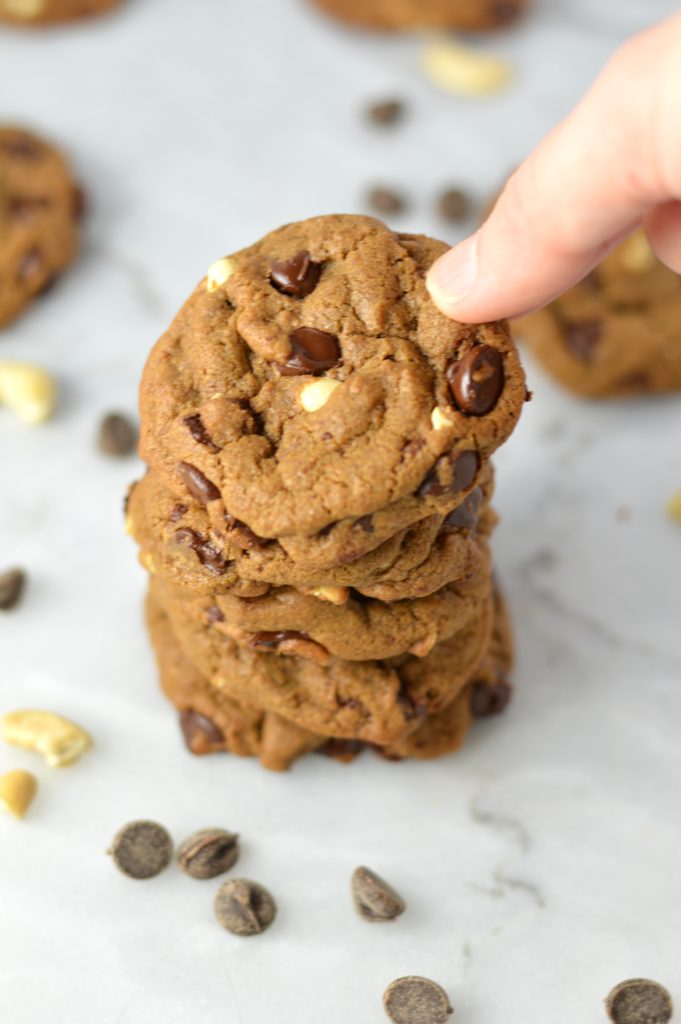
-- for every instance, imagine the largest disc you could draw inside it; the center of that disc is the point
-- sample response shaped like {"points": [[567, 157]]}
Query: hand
{"points": [[612, 165]]}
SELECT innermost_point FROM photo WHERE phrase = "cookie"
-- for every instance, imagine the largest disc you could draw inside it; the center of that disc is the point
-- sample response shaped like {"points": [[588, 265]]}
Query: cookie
{"points": [[376, 701], [45, 12], [309, 379], [616, 333], [40, 208], [419, 14]]}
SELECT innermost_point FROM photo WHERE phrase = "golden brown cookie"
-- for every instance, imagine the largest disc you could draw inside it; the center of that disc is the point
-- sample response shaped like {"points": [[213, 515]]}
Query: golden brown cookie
{"points": [[45, 12], [310, 379], [617, 332], [418, 14], [40, 207]]}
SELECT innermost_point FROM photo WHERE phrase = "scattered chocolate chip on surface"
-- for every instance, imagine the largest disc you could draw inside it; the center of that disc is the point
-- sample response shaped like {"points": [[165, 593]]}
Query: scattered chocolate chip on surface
{"points": [[208, 853], [639, 1001], [12, 585], [117, 434], [243, 907], [386, 113], [454, 205], [374, 898], [385, 201], [416, 1000], [142, 849]]}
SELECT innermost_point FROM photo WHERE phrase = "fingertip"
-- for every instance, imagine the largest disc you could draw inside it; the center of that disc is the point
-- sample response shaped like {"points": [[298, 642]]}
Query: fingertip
{"points": [[452, 277]]}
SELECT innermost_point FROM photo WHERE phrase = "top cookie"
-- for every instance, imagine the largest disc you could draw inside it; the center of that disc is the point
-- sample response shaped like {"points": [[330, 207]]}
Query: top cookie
{"points": [[42, 12], [39, 211], [309, 379], [406, 14]]}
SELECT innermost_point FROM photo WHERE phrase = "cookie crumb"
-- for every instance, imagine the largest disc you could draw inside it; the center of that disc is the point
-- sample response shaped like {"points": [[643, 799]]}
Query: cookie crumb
{"points": [[639, 1001]]}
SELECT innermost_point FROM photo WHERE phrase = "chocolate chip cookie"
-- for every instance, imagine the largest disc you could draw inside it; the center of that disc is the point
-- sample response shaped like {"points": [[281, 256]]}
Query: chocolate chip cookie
{"points": [[617, 332], [418, 14], [45, 12], [40, 207]]}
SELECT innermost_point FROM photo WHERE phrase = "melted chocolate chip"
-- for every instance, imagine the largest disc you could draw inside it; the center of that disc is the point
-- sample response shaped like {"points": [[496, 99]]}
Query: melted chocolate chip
{"points": [[342, 750], [203, 489], [582, 338], [465, 517], [270, 639], [24, 208], [30, 265], [298, 276], [207, 554], [477, 380], [201, 735], [490, 698], [195, 426], [365, 523], [463, 468], [214, 614], [23, 147], [312, 351], [177, 512], [245, 536]]}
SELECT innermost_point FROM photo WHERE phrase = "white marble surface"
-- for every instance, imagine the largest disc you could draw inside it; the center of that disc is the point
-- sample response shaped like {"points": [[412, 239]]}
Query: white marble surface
{"points": [[541, 864]]}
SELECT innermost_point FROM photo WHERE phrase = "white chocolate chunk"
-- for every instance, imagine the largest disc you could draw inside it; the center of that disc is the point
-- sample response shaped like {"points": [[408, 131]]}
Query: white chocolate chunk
{"points": [[465, 70], [316, 394], [219, 273]]}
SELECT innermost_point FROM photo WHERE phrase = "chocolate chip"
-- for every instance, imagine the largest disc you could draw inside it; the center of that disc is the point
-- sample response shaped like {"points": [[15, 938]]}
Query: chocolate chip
{"points": [[465, 516], [462, 468], [365, 523], [245, 537], [271, 639], [208, 853], [298, 276], [22, 146], [201, 735], [117, 435], [490, 698], [244, 907], [385, 201], [30, 265], [375, 899], [582, 337], [639, 1001], [177, 512], [207, 554], [416, 1001], [142, 849], [386, 112], [214, 614], [504, 11], [454, 205], [477, 380], [342, 750], [196, 428], [312, 351], [203, 489], [12, 584], [26, 207], [78, 202]]}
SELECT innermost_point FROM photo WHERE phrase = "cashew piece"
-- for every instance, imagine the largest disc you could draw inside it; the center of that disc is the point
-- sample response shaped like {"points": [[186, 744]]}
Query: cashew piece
{"points": [[465, 70], [27, 389], [17, 790], [439, 420], [219, 273], [59, 740], [316, 394]]}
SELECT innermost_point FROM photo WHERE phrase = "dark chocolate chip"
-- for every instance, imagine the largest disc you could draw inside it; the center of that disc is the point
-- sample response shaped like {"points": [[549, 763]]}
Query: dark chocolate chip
{"points": [[24, 208], [298, 276], [78, 202], [639, 1001], [117, 435], [312, 351], [462, 467], [142, 849], [342, 750], [208, 853], [365, 523], [271, 639], [207, 554], [203, 489], [201, 735], [177, 512], [490, 698], [582, 337], [374, 898], [386, 112], [195, 426], [12, 585], [30, 265], [385, 201], [416, 1001], [244, 907], [465, 516], [477, 380], [214, 614], [244, 536], [22, 146], [454, 205]]}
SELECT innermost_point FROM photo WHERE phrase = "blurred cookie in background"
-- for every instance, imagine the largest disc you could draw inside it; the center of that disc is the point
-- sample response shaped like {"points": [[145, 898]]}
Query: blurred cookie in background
{"points": [[45, 12], [401, 15]]}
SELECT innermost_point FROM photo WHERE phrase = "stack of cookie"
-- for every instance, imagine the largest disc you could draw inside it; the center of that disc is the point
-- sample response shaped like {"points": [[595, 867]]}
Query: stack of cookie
{"points": [[315, 517]]}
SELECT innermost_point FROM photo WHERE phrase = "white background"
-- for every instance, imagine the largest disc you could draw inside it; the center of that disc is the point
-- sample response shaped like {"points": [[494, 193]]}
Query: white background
{"points": [[541, 865]]}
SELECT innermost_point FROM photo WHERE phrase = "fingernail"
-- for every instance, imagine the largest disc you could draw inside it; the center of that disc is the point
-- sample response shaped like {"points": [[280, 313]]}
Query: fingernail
{"points": [[452, 277]]}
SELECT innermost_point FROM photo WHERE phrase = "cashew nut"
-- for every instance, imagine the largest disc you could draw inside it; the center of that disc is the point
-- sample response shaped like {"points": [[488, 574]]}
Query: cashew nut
{"points": [[59, 740], [334, 595], [219, 273], [17, 790], [316, 394], [465, 70], [637, 255], [439, 420], [29, 390]]}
